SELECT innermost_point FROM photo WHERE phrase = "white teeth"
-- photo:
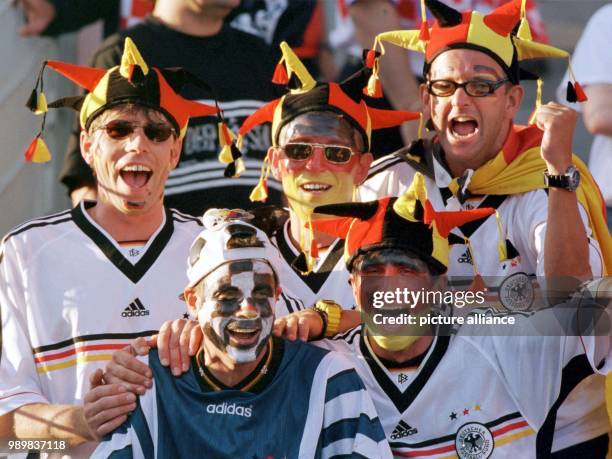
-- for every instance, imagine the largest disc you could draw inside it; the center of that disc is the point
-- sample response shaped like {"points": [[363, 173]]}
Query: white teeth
{"points": [[136, 168], [461, 119], [315, 186]]}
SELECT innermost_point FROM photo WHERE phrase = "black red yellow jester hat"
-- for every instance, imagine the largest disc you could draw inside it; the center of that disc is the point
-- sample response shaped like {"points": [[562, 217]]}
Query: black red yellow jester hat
{"points": [[133, 81], [408, 222], [503, 34], [306, 95]]}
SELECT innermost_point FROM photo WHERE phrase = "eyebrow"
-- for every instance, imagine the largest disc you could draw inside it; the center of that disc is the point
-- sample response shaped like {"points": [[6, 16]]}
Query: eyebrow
{"points": [[485, 68]]}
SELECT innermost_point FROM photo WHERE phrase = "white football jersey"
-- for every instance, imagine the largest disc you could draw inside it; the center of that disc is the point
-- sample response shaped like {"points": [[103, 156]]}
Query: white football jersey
{"points": [[470, 397], [522, 220], [329, 279], [69, 298]]}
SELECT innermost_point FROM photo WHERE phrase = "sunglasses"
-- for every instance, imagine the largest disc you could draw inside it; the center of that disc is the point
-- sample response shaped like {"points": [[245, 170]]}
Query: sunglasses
{"points": [[337, 154], [120, 129], [474, 88]]}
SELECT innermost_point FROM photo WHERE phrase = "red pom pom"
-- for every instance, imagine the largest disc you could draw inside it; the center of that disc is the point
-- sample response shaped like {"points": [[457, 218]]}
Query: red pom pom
{"points": [[424, 33], [280, 74], [580, 95], [370, 59]]}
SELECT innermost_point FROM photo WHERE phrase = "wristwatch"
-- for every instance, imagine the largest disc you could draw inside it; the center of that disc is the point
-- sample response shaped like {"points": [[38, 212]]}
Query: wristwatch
{"points": [[330, 313], [568, 181]]}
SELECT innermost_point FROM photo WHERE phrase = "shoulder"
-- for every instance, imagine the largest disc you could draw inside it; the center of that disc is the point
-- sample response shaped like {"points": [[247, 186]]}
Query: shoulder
{"points": [[41, 225], [386, 164], [181, 217]]}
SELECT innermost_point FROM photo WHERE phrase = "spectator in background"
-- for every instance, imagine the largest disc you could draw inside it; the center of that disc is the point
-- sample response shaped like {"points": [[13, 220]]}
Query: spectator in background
{"points": [[299, 23], [54, 17], [237, 66], [591, 63]]}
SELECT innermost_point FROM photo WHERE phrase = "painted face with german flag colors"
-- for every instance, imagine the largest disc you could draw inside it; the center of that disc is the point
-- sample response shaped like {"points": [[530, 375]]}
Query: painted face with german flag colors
{"points": [[320, 161]]}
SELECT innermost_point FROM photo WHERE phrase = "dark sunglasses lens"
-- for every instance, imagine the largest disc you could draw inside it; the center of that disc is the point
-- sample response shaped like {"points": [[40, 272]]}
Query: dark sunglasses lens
{"points": [[158, 132], [118, 129], [338, 154], [298, 151]]}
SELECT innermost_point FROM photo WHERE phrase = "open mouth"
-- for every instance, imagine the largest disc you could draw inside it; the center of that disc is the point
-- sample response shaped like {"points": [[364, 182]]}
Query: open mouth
{"points": [[464, 127], [136, 175], [241, 336], [315, 187]]}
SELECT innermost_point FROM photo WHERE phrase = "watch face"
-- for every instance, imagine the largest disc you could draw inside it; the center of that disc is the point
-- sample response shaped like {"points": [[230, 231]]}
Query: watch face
{"points": [[573, 175]]}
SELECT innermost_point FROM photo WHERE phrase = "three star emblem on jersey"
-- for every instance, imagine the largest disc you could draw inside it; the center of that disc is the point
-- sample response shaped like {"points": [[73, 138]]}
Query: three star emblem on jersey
{"points": [[474, 441], [402, 430], [135, 309]]}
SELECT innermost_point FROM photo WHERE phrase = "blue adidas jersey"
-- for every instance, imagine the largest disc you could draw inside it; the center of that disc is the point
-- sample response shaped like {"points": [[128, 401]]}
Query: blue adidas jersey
{"points": [[304, 402]]}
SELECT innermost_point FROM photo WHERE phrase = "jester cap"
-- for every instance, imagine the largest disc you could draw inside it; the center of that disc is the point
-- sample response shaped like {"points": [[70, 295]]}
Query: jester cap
{"points": [[133, 81], [307, 95], [408, 223], [502, 34]]}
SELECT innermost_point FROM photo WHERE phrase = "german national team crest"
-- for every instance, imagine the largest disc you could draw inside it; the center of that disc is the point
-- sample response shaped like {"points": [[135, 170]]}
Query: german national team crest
{"points": [[516, 292], [474, 441]]}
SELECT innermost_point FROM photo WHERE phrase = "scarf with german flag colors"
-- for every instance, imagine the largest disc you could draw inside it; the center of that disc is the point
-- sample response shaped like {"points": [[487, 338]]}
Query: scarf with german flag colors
{"points": [[519, 168]]}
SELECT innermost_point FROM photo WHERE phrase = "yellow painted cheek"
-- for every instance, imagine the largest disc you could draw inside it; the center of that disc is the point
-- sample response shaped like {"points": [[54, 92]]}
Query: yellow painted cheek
{"points": [[302, 202]]}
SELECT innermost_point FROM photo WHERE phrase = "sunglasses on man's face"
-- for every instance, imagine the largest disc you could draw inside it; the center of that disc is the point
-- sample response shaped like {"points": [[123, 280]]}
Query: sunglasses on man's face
{"points": [[121, 129], [337, 154]]}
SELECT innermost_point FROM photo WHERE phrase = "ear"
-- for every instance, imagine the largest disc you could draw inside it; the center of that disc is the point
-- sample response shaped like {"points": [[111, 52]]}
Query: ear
{"points": [[274, 153], [190, 299], [279, 290], [514, 99], [363, 167], [175, 152], [425, 100], [354, 282], [86, 147]]}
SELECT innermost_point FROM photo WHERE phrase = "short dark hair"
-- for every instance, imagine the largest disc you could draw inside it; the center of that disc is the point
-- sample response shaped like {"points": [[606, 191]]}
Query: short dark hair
{"points": [[380, 255]]}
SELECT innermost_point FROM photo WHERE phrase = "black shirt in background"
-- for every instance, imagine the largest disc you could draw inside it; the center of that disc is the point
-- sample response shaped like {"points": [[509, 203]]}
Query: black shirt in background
{"points": [[238, 67]]}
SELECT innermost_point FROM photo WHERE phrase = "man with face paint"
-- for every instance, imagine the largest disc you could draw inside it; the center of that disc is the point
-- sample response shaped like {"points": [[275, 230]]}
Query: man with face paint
{"points": [[549, 221], [247, 394], [77, 285], [321, 135], [443, 391]]}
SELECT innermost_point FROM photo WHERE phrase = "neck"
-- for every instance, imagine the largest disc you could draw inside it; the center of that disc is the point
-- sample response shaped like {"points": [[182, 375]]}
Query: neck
{"points": [[232, 377], [298, 233], [124, 227], [179, 17], [414, 350]]}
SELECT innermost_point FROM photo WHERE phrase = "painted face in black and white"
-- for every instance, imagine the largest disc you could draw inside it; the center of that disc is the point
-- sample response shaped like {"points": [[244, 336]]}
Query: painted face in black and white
{"points": [[236, 307]]}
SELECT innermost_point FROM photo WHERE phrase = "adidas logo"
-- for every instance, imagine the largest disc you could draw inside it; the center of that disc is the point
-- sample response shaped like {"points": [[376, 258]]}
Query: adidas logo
{"points": [[135, 309], [226, 408], [466, 257], [402, 430]]}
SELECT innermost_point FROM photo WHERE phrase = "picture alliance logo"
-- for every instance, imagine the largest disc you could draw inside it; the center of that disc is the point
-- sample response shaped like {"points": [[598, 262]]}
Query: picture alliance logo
{"points": [[225, 408]]}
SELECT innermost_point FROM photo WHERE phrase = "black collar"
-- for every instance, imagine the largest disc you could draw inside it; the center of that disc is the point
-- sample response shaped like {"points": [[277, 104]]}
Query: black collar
{"points": [[132, 272], [255, 382], [402, 400], [314, 279]]}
